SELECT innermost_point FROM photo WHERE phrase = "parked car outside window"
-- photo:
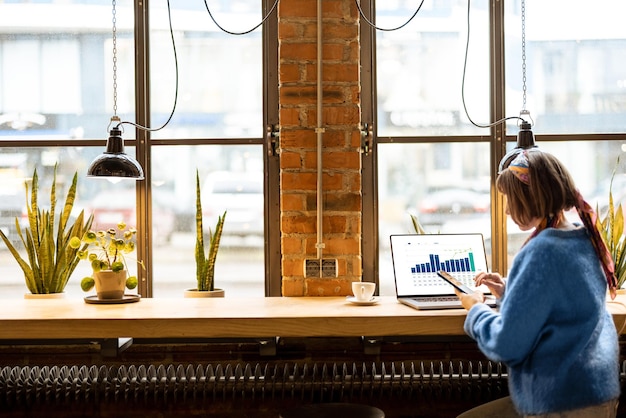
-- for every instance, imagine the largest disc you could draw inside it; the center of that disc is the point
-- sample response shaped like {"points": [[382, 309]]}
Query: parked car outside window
{"points": [[240, 194], [442, 206], [110, 207]]}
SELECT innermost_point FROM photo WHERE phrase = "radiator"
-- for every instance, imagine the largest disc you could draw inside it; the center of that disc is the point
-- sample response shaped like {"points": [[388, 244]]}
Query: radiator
{"points": [[228, 382]]}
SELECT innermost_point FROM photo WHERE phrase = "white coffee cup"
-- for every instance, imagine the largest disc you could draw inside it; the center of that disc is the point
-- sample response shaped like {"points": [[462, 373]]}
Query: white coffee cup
{"points": [[363, 291]]}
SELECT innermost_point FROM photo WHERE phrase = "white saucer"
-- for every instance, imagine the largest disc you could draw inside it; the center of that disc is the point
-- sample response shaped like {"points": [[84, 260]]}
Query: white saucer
{"points": [[372, 301]]}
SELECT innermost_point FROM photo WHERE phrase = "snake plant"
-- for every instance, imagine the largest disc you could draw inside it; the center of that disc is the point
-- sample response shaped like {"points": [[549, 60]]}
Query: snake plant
{"points": [[417, 226], [611, 227], [205, 262], [51, 260]]}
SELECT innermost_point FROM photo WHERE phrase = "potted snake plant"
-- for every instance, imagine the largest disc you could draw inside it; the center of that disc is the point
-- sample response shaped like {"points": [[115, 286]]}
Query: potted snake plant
{"points": [[205, 258], [611, 228], [50, 259]]}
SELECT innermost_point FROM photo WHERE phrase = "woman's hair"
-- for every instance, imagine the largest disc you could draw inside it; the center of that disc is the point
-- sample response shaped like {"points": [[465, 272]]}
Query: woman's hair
{"points": [[549, 191]]}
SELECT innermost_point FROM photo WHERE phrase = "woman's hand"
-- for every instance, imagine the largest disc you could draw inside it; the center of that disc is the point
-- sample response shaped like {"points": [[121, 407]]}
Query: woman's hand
{"points": [[493, 281], [470, 299]]}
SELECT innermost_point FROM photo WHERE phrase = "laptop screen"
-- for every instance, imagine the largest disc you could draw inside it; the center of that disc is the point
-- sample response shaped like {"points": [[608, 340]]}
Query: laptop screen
{"points": [[418, 257]]}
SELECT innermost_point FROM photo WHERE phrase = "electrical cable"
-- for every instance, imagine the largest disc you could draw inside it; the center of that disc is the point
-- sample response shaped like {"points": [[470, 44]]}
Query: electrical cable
{"points": [[239, 33], [358, 5], [524, 111], [169, 14], [136, 125]]}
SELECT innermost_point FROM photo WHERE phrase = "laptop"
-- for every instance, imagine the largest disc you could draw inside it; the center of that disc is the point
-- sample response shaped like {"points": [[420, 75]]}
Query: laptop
{"points": [[417, 258]]}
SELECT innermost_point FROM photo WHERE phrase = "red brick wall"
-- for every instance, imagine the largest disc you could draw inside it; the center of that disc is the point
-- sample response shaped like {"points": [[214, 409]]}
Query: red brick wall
{"points": [[341, 158]]}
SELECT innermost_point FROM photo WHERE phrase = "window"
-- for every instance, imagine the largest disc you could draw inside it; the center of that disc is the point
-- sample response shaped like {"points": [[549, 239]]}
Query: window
{"points": [[217, 129], [575, 70], [434, 84], [431, 160], [56, 99]]}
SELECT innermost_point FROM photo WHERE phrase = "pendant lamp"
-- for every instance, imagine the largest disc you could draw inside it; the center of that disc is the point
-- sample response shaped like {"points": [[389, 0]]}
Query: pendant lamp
{"points": [[114, 162], [525, 141]]}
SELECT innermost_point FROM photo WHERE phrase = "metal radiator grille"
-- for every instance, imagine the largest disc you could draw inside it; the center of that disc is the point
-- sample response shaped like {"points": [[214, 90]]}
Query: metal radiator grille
{"points": [[251, 381]]}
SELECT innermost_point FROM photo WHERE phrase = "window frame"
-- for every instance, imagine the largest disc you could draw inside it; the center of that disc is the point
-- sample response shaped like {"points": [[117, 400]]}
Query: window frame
{"points": [[144, 145]]}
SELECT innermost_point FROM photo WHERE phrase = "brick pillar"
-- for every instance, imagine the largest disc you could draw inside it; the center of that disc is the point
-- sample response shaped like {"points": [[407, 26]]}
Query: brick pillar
{"points": [[341, 159]]}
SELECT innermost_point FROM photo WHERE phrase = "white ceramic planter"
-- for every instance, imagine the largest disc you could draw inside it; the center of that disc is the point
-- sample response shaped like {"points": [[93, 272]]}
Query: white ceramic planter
{"points": [[195, 293]]}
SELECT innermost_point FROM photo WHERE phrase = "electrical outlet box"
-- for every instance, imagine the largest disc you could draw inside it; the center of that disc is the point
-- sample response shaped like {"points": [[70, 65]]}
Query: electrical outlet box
{"points": [[325, 268], [329, 267], [312, 268]]}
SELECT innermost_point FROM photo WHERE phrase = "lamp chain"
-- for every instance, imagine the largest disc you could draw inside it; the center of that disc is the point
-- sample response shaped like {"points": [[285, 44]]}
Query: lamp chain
{"points": [[524, 54], [114, 60]]}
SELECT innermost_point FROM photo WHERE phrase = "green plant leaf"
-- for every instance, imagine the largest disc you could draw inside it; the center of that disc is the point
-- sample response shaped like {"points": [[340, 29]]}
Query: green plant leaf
{"points": [[50, 260], [417, 226], [199, 253], [213, 249]]}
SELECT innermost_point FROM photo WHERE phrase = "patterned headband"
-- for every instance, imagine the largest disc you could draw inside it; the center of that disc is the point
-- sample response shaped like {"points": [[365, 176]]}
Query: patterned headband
{"points": [[519, 167]]}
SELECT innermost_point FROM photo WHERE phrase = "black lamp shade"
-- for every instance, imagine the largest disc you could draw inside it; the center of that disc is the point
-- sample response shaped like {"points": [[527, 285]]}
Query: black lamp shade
{"points": [[525, 137], [114, 162]]}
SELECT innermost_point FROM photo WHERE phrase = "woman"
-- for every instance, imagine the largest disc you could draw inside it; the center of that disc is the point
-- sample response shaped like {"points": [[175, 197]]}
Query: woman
{"points": [[552, 330]]}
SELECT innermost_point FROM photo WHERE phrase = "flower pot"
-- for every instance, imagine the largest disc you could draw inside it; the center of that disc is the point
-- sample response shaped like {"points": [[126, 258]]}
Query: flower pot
{"points": [[110, 284], [195, 293], [60, 295]]}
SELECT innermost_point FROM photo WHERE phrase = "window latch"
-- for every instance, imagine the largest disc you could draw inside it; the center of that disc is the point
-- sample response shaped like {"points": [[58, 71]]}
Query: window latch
{"points": [[367, 133], [272, 134]]}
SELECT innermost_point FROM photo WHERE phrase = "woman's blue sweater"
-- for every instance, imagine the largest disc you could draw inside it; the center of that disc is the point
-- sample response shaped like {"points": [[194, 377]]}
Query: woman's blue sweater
{"points": [[553, 330]]}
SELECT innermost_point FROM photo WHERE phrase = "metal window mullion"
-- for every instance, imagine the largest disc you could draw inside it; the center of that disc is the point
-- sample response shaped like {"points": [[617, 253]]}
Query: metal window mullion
{"points": [[498, 135], [271, 193], [142, 146], [369, 172]]}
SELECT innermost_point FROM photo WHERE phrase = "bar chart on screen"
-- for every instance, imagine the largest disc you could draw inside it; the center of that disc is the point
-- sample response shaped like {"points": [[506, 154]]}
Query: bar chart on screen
{"points": [[456, 263]]}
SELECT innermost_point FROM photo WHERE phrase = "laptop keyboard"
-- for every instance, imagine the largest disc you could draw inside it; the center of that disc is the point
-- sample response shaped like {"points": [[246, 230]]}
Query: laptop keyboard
{"points": [[437, 299], [467, 280]]}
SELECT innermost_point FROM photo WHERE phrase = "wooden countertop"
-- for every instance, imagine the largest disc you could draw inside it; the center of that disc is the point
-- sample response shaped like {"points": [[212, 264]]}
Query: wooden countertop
{"points": [[231, 318]]}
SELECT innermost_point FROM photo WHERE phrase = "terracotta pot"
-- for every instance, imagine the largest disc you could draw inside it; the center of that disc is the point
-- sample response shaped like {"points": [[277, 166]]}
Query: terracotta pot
{"points": [[110, 284], [195, 293]]}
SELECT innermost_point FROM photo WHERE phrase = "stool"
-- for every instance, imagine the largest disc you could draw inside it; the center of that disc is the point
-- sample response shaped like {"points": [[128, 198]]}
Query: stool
{"points": [[333, 410]]}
